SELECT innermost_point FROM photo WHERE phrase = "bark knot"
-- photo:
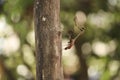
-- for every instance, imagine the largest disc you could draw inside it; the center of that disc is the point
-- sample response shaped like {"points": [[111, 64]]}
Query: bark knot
{"points": [[43, 18]]}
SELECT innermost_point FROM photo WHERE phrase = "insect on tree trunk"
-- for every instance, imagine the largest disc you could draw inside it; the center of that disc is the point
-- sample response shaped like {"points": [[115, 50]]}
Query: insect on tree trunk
{"points": [[48, 40]]}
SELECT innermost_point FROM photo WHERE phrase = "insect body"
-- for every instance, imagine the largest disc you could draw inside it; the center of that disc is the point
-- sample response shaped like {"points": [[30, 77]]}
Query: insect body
{"points": [[79, 20]]}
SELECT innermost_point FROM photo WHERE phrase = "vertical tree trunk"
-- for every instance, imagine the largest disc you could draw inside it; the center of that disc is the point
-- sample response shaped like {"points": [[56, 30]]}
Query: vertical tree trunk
{"points": [[82, 73], [48, 40]]}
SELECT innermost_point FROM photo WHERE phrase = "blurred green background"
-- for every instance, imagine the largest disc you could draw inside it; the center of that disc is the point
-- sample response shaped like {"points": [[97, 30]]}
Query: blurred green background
{"points": [[100, 44]]}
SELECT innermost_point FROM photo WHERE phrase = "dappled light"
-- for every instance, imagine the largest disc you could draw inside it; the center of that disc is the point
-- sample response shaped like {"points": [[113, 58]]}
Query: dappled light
{"points": [[15, 17], [70, 59], [23, 71], [100, 48], [101, 19], [28, 55], [93, 25], [11, 44], [86, 48], [9, 40], [114, 3], [103, 49]]}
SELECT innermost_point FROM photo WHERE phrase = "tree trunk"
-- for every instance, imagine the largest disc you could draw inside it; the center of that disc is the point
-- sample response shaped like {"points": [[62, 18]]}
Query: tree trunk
{"points": [[82, 73], [48, 40]]}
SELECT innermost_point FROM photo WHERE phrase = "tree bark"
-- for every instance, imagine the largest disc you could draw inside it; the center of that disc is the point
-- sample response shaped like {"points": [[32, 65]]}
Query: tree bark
{"points": [[48, 40]]}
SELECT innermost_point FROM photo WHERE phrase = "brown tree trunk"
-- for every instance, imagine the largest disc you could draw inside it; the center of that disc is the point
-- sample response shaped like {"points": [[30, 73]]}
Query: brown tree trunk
{"points": [[48, 40]]}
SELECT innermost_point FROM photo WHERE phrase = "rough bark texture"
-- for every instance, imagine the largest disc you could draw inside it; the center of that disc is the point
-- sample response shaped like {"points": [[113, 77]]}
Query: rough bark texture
{"points": [[48, 40]]}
